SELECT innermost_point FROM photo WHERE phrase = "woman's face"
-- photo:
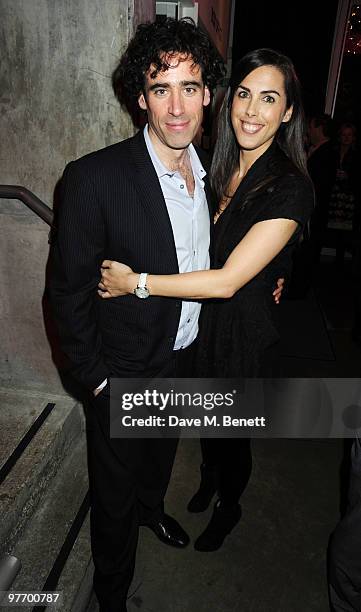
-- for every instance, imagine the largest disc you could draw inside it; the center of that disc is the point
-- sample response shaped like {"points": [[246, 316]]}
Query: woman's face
{"points": [[259, 108]]}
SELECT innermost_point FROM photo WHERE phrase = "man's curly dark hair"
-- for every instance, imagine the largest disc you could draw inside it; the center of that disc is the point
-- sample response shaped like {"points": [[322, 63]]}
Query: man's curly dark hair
{"points": [[150, 46]]}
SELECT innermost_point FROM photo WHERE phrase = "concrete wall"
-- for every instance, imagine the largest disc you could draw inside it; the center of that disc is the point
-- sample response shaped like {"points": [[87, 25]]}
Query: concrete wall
{"points": [[56, 104]]}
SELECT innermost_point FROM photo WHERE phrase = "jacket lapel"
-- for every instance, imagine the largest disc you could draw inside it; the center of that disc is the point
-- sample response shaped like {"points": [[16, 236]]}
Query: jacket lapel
{"points": [[210, 202], [203, 156], [209, 196], [151, 197]]}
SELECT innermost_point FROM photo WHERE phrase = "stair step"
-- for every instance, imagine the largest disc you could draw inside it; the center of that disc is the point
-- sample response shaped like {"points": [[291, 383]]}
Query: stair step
{"points": [[29, 477], [16, 417], [45, 534], [76, 581]]}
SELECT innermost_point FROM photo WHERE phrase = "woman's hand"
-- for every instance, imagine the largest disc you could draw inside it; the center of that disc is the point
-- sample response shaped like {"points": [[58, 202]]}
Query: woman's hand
{"points": [[117, 279]]}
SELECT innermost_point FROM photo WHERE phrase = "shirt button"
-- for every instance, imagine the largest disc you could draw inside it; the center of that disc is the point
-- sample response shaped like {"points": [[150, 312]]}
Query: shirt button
{"points": [[188, 321], [182, 186]]}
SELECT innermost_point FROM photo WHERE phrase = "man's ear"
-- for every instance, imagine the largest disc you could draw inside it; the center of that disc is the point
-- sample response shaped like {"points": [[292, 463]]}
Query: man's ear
{"points": [[206, 96], [142, 103], [288, 114]]}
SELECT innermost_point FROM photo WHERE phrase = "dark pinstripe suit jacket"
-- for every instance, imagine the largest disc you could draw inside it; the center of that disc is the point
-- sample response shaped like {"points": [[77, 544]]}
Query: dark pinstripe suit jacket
{"points": [[112, 207]]}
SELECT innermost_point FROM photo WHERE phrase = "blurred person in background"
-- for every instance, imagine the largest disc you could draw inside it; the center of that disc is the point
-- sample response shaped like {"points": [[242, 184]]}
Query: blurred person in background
{"points": [[322, 165], [344, 205], [344, 576]]}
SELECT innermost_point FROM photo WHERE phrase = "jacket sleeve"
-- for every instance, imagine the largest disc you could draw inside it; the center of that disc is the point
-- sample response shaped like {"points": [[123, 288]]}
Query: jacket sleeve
{"points": [[76, 257]]}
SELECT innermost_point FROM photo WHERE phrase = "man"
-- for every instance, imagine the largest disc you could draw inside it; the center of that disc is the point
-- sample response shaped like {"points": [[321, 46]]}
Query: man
{"points": [[344, 579], [322, 164], [145, 201]]}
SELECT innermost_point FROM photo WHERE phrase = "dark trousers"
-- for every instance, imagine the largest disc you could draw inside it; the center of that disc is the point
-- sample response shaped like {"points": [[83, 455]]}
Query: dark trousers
{"points": [[128, 482], [232, 460], [356, 283], [345, 546]]}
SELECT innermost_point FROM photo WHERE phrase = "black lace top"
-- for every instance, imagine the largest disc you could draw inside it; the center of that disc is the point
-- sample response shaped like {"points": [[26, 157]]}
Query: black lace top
{"points": [[238, 336]]}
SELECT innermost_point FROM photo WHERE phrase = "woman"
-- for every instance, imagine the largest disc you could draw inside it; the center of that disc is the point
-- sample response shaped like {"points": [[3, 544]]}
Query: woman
{"points": [[265, 198]]}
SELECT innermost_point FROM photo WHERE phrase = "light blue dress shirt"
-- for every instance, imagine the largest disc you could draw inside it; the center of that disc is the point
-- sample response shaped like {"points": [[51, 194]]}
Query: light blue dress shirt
{"points": [[189, 217]]}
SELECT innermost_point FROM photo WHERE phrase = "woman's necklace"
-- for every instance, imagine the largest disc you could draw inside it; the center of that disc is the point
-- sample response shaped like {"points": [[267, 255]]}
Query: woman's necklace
{"points": [[221, 208]]}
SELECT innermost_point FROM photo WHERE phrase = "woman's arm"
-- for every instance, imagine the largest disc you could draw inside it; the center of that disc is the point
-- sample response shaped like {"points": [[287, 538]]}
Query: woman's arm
{"points": [[259, 246]]}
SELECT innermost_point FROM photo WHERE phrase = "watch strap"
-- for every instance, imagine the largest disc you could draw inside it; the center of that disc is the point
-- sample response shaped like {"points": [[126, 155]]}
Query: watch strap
{"points": [[142, 282]]}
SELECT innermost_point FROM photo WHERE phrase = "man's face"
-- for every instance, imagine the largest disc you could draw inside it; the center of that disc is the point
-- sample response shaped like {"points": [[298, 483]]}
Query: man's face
{"points": [[174, 102], [314, 132], [346, 136]]}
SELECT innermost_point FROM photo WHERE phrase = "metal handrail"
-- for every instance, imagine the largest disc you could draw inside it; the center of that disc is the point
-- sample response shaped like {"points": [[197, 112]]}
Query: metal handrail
{"points": [[17, 192], [10, 566]]}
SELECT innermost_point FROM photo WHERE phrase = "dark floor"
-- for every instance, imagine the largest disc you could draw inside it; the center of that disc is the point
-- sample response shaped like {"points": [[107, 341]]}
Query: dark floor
{"points": [[275, 560]]}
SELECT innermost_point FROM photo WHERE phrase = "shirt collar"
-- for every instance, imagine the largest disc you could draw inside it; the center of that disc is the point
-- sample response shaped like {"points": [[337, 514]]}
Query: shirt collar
{"points": [[161, 169]]}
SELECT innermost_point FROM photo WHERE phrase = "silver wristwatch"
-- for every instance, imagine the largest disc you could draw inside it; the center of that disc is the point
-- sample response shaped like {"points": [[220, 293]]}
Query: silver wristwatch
{"points": [[141, 289]]}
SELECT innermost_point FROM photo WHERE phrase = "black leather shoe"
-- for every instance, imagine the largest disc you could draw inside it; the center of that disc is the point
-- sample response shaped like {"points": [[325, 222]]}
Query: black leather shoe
{"points": [[207, 489], [224, 519], [169, 531]]}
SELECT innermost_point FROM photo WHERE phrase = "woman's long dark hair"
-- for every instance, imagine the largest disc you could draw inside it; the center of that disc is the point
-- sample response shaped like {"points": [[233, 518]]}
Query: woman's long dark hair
{"points": [[290, 135]]}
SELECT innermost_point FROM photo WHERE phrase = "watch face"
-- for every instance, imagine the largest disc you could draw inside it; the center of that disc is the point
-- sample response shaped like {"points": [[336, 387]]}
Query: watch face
{"points": [[141, 292]]}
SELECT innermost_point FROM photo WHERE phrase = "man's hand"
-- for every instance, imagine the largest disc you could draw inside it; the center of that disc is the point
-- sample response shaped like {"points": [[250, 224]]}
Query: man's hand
{"points": [[100, 388], [278, 292]]}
